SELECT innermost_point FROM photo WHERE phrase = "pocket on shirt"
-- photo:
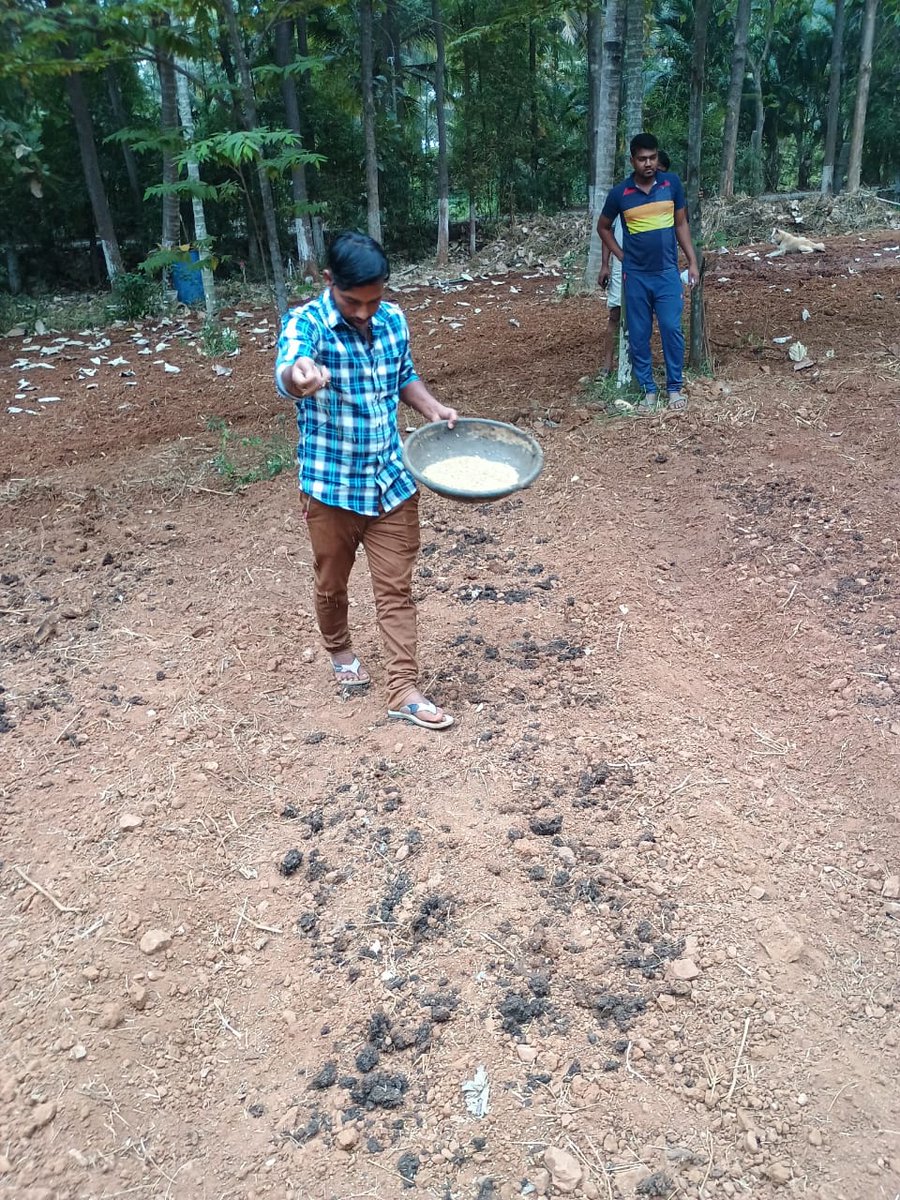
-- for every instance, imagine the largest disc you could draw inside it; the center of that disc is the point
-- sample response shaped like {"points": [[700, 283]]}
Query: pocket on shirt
{"points": [[387, 372]]}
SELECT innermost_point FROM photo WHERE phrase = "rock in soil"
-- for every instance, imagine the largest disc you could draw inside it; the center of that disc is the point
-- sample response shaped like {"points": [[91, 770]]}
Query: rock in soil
{"points": [[565, 1169], [155, 940]]}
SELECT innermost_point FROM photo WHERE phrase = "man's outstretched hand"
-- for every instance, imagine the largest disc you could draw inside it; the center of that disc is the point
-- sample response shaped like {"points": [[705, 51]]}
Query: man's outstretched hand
{"points": [[305, 377]]}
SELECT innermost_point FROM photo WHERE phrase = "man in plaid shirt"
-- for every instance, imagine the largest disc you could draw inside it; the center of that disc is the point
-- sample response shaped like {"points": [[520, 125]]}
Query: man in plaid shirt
{"points": [[345, 361]]}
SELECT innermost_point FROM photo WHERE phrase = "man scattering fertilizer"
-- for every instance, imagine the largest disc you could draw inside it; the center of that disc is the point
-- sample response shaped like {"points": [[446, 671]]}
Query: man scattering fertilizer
{"points": [[345, 361]]}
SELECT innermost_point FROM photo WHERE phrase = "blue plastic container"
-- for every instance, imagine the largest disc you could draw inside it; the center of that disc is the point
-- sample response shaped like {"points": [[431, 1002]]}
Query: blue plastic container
{"points": [[188, 280]]}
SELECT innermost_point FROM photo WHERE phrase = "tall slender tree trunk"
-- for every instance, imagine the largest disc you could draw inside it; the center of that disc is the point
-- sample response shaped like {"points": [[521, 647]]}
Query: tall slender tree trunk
{"points": [[533, 123], [443, 231], [697, 339], [633, 73], [834, 98], [367, 63], [118, 110], [594, 56], [251, 122], [772, 156], [90, 163], [607, 127], [735, 94], [467, 146], [306, 258], [13, 269], [84, 130], [165, 68], [201, 235], [854, 169], [391, 34], [303, 98], [758, 67], [255, 256]]}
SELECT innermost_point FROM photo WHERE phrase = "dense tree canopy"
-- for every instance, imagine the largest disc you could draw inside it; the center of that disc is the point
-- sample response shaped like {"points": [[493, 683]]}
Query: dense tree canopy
{"points": [[277, 152]]}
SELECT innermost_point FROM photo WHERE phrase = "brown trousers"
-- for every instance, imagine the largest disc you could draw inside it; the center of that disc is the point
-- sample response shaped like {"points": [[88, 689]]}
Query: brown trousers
{"points": [[391, 542]]}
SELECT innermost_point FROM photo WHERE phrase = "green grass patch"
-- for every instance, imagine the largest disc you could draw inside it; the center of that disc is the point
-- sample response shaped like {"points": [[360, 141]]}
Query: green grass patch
{"points": [[241, 460], [608, 399], [218, 339]]}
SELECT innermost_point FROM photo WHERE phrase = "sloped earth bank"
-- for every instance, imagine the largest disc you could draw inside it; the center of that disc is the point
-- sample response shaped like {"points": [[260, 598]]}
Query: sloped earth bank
{"points": [[254, 938]]}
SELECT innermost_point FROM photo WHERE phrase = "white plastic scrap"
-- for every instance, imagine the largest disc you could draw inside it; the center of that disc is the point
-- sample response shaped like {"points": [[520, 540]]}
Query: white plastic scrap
{"points": [[797, 352], [477, 1092]]}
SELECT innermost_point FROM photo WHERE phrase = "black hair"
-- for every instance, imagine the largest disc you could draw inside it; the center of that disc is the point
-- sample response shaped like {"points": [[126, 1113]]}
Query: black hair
{"points": [[355, 259], [643, 141], [664, 161]]}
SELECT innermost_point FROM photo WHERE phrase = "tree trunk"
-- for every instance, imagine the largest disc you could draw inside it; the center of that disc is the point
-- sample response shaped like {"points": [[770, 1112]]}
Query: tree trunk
{"points": [[758, 67], [467, 145], [533, 125], [443, 232], [607, 127], [171, 214], [13, 269], [697, 338], [251, 122], [367, 63], [756, 160], [854, 169], [306, 258], [303, 97], [804, 163], [834, 98], [391, 34], [772, 156], [201, 236], [633, 73], [735, 94], [84, 130], [118, 110], [594, 55], [840, 170]]}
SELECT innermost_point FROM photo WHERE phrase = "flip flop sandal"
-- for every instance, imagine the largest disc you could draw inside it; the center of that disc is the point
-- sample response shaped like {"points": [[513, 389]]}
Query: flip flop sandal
{"points": [[677, 401], [647, 406], [409, 712], [350, 668]]}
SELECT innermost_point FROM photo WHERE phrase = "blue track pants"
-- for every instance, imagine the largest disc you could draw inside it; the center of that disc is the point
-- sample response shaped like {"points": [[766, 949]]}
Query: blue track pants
{"points": [[646, 294]]}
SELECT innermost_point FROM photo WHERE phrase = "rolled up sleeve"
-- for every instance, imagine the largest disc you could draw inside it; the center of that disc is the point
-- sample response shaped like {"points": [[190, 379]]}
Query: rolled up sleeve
{"points": [[299, 339]]}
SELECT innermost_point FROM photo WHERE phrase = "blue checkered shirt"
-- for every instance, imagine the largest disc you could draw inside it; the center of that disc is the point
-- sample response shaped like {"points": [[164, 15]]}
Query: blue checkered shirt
{"points": [[349, 448]]}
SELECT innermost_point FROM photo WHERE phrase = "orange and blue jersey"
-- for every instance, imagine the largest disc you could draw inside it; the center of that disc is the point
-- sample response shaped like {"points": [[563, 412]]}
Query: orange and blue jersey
{"points": [[648, 222]]}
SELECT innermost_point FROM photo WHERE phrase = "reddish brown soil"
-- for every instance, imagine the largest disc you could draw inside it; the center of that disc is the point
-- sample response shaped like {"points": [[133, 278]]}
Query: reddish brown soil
{"points": [[649, 880]]}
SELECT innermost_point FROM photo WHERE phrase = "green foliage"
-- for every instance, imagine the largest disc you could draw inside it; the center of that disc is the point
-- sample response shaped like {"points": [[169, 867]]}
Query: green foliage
{"points": [[163, 257], [134, 296], [218, 339], [193, 189], [267, 74], [244, 460], [243, 146]]}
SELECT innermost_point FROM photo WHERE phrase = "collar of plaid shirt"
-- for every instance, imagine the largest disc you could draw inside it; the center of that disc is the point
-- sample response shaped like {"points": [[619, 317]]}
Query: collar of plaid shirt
{"points": [[349, 448]]}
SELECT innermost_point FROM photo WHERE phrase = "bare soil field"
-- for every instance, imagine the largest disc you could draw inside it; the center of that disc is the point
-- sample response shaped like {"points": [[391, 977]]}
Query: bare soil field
{"points": [[630, 929]]}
